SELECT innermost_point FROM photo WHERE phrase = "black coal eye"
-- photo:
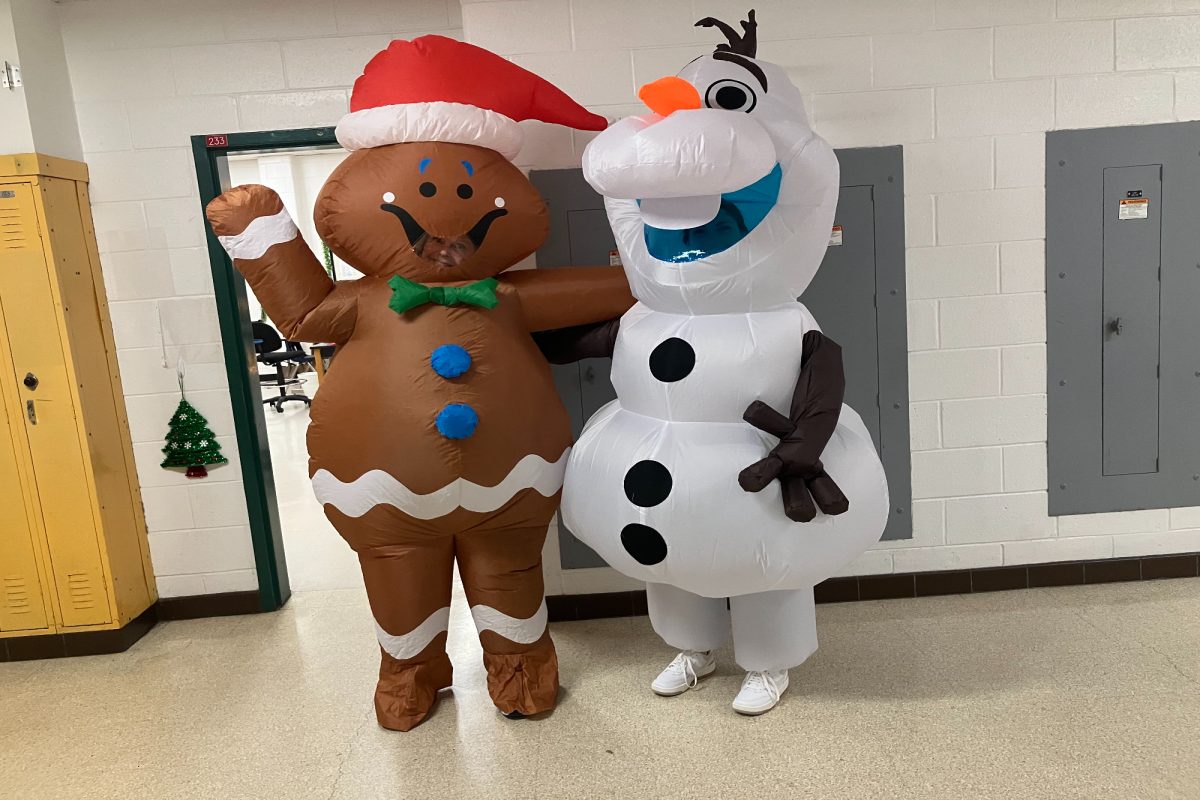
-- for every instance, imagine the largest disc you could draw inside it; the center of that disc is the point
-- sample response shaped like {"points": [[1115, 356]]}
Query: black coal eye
{"points": [[427, 189], [465, 191], [730, 95]]}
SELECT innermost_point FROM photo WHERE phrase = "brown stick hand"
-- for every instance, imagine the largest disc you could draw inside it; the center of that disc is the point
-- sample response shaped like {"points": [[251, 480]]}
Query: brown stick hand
{"points": [[795, 461]]}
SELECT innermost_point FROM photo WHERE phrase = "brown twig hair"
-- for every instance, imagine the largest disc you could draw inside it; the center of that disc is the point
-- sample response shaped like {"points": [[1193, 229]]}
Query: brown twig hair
{"points": [[743, 44]]}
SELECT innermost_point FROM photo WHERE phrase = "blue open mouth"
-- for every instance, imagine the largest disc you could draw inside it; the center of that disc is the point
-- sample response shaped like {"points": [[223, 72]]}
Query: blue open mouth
{"points": [[740, 213]]}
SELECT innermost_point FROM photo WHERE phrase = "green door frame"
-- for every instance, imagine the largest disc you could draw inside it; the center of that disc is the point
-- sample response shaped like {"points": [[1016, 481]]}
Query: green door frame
{"points": [[237, 342]]}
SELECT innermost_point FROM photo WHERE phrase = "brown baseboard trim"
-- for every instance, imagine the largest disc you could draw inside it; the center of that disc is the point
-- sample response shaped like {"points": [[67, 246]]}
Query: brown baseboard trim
{"points": [[225, 604], [571, 607], [84, 643]]}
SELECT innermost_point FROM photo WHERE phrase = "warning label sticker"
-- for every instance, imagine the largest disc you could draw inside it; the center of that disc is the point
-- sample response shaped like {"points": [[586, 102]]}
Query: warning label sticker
{"points": [[1134, 208], [835, 236]]}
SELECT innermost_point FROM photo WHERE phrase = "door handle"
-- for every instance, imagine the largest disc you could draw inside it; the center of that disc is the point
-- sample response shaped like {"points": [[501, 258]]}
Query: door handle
{"points": [[31, 381], [1116, 326], [589, 375], [31, 412]]}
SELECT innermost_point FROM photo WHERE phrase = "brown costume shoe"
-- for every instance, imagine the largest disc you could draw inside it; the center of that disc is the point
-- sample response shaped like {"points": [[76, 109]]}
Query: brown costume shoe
{"points": [[406, 693]]}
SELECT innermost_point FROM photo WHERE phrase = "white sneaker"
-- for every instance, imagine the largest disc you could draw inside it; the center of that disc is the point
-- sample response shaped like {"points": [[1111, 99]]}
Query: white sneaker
{"points": [[683, 673], [760, 692]]}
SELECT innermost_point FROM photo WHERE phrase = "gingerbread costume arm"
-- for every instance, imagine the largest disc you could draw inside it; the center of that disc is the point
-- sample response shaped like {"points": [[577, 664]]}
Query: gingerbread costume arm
{"points": [[564, 298], [265, 246]]}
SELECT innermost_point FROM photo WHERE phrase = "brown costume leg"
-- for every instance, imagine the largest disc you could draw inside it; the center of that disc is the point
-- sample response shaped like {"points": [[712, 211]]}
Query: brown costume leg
{"points": [[408, 581], [502, 574]]}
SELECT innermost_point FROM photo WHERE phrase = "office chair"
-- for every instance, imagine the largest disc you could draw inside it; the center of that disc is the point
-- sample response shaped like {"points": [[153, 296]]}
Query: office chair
{"points": [[270, 349]]}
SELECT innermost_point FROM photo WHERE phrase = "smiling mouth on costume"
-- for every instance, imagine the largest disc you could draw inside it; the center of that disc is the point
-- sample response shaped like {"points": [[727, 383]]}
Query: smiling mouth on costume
{"points": [[442, 250], [737, 213]]}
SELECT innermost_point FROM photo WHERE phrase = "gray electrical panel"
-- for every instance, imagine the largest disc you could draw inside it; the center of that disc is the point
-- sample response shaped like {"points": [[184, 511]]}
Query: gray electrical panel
{"points": [[1123, 332], [857, 298]]}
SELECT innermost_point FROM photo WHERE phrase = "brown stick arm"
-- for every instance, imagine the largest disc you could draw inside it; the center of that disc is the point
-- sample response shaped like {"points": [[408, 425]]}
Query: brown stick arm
{"points": [[568, 345], [289, 281], [803, 434], [570, 296]]}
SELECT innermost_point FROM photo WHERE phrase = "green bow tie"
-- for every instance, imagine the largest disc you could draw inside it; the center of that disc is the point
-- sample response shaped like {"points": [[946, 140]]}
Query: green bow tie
{"points": [[408, 294]]}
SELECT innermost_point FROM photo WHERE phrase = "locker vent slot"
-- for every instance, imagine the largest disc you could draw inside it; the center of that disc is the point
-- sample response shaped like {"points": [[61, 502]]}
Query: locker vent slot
{"points": [[82, 593], [12, 233], [16, 594]]}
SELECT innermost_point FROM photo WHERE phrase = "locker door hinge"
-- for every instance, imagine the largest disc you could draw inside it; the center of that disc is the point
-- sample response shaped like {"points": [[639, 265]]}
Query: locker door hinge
{"points": [[10, 76]]}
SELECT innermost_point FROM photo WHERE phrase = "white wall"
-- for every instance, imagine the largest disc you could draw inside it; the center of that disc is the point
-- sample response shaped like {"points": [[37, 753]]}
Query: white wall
{"points": [[39, 116], [147, 76], [967, 86], [16, 135]]}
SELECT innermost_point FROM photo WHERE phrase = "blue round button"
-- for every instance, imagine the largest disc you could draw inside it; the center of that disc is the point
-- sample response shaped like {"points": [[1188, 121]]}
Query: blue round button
{"points": [[450, 361], [457, 421]]}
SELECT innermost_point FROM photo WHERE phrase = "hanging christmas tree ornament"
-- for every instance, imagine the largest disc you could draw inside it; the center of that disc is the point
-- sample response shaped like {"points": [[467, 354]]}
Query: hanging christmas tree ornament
{"points": [[190, 442]]}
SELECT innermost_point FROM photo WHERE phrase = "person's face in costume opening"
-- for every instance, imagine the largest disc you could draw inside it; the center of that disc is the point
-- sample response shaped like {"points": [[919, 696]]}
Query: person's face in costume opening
{"points": [[432, 212], [444, 252], [714, 236]]}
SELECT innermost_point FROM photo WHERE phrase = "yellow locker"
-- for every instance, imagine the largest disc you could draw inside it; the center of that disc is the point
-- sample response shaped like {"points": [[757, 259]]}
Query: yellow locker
{"points": [[75, 548], [22, 605]]}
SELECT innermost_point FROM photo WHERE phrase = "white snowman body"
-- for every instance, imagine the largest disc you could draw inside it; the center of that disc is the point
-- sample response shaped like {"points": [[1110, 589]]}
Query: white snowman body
{"points": [[719, 540], [652, 482]]}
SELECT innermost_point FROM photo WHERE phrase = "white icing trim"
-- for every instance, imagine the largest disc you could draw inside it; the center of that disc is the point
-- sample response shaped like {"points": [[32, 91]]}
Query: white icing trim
{"points": [[376, 487], [521, 631], [412, 643], [260, 235], [437, 121]]}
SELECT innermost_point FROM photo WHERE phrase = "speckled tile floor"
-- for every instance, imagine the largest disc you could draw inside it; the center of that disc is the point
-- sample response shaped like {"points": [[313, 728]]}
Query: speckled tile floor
{"points": [[1085, 692]]}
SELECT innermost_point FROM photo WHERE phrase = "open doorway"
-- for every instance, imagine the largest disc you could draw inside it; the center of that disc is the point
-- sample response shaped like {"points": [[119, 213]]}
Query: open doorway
{"points": [[272, 381]]}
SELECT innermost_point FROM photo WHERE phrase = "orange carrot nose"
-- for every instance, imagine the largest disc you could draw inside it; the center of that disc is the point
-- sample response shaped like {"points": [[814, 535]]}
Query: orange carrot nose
{"points": [[669, 94]]}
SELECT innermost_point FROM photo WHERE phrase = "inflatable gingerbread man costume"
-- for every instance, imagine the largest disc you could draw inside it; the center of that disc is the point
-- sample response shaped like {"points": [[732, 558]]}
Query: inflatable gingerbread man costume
{"points": [[438, 434]]}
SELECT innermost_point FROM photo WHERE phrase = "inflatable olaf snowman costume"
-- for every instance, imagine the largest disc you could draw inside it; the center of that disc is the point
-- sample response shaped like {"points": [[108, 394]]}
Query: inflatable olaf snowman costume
{"points": [[697, 479]]}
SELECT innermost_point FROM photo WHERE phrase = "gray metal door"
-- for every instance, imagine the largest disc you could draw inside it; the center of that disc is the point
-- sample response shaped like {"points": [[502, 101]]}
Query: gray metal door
{"points": [[844, 307], [579, 236], [858, 299], [1122, 288]]}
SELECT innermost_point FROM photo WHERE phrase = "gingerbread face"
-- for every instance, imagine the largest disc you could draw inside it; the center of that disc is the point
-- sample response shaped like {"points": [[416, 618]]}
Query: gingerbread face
{"points": [[430, 211]]}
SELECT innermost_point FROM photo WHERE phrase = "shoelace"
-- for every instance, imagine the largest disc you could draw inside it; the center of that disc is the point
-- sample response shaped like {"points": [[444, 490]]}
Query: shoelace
{"points": [[763, 681], [683, 663]]}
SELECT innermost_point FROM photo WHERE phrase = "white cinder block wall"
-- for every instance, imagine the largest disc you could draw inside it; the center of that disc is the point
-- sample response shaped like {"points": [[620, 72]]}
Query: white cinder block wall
{"points": [[967, 86]]}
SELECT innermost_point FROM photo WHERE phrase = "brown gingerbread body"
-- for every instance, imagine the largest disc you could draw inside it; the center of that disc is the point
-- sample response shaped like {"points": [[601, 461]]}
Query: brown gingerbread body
{"points": [[409, 493]]}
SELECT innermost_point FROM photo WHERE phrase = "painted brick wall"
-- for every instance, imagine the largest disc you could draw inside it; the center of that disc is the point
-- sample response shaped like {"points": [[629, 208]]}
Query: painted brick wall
{"points": [[967, 86], [146, 76]]}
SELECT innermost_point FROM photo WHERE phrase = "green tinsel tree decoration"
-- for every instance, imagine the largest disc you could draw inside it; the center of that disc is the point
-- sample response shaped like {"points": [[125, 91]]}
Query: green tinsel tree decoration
{"points": [[190, 442]]}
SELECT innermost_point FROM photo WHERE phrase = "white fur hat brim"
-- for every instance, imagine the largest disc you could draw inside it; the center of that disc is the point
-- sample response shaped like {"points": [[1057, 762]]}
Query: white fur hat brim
{"points": [[436, 121]]}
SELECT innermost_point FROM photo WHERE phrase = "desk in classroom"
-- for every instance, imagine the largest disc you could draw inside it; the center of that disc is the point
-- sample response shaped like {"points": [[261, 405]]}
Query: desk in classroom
{"points": [[322, 353]]}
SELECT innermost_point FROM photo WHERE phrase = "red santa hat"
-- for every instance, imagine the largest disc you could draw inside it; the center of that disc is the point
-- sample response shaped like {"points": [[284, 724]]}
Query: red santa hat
{"points": [[435, 89]]}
